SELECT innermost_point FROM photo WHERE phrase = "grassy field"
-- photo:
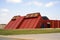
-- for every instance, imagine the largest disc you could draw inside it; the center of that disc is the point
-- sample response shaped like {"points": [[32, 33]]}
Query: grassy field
{"points": [[29, 31]]}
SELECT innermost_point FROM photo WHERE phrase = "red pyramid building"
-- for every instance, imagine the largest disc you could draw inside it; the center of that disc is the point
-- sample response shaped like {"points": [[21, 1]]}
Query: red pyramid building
{"points": [[32, 21]]}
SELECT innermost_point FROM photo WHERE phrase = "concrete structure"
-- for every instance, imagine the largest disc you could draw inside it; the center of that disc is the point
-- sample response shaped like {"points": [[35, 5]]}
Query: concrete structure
{"points": [[2, 26], [32, 21]]}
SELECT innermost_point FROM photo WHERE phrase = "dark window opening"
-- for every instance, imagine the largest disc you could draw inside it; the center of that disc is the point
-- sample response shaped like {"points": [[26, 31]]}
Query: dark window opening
{"points": [[48, 25]]}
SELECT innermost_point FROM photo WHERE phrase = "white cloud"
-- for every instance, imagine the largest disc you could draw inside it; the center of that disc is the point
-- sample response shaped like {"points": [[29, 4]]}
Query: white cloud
{"points": [[4, 16], [34, 3], [4, 10], [37, 3], [28, 3], [51, 4], [14, 1]]}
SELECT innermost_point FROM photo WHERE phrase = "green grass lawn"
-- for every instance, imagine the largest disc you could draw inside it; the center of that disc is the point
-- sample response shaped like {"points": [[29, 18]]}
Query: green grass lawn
{"points": [[29, 31]]}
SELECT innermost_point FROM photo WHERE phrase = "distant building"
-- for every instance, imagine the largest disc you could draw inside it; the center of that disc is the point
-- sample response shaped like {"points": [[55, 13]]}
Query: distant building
{"points": [[2, 26]]}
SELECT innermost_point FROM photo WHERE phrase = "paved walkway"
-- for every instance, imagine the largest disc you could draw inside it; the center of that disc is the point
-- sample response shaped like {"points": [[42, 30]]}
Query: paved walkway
{"points": [[52, 36]]}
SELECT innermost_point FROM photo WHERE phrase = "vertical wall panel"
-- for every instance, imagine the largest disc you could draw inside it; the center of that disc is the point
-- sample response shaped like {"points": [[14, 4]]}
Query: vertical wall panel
{"points": [[32, 23], [18, 22], [23, 23]]}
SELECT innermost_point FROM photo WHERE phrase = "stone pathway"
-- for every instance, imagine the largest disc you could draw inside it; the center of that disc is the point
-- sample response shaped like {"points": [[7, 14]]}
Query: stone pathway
{"points": [[51, 36]]}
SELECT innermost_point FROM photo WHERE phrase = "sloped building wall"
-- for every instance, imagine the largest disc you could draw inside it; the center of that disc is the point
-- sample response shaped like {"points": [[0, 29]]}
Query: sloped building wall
{"points": [[32, 21], [29, 21]]}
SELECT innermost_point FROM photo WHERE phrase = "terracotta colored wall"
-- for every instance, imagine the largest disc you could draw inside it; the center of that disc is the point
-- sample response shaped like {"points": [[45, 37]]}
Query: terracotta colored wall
{"points": [[54, 23], [13, 24], [31, 21]]}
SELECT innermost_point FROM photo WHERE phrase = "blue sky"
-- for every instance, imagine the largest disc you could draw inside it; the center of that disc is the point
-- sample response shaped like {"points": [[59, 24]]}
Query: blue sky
{"points": [[10, 8]]}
